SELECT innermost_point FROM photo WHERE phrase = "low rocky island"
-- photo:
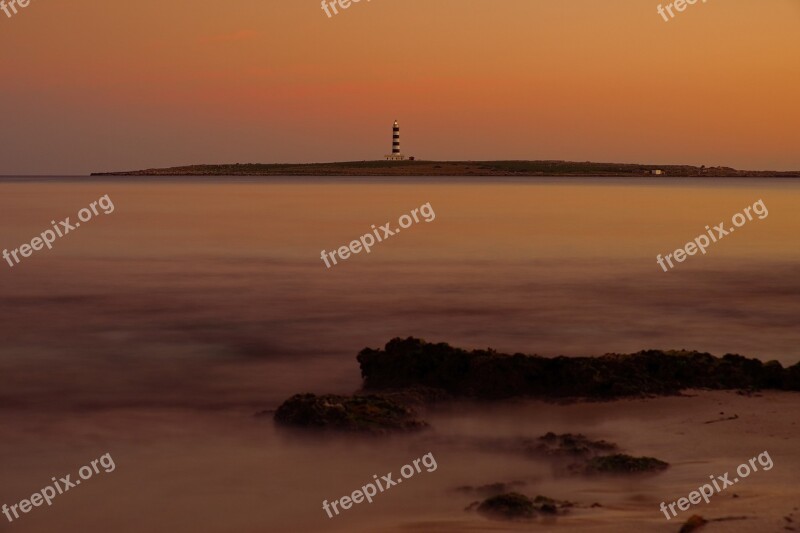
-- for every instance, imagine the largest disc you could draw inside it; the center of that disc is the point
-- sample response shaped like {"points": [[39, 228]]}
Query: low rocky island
{"points": [[455, 169]]}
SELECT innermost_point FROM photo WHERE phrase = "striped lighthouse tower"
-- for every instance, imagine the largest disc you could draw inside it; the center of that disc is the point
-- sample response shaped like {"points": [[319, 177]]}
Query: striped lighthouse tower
{"points": [[395, 155], [396, 139]]}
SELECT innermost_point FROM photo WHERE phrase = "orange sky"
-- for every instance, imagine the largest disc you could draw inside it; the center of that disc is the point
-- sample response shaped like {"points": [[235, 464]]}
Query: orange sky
{"points": [[87, 85]]}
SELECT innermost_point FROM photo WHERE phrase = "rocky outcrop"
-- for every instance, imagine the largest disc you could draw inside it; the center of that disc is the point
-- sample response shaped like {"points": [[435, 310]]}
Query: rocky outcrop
{"points": [[488, 374], [516, 506], [580, 455], [694, 523], [361, 414], [618, 464], [567, 445]]}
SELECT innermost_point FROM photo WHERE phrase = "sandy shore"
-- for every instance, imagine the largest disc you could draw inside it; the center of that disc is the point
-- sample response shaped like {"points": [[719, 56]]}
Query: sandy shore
{"points": [[225, 471]]}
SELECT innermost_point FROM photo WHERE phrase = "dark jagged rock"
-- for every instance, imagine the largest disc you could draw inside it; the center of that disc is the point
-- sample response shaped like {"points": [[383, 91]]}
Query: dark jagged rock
{"points": [[509, 506], [550, 506], [694, 523], [487, 374], [516, 506], [581, 455], [568, 445], [368, 414], [620, 464]]}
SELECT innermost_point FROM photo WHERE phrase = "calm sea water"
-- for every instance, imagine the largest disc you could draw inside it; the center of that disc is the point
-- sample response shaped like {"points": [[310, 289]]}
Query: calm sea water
{"points": [[155, 332], [212, 291]]}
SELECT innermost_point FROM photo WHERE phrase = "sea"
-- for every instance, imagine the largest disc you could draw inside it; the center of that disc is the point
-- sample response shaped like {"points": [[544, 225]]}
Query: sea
{"points": [[164, 326]]}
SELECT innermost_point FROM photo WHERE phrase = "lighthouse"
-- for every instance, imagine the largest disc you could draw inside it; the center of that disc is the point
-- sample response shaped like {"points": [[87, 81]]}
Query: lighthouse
{"points": [[396, 139], [395, 155]]}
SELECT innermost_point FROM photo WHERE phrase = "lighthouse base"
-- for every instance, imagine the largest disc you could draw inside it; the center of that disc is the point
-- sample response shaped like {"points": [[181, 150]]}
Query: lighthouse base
{"points": [[395, 157]]}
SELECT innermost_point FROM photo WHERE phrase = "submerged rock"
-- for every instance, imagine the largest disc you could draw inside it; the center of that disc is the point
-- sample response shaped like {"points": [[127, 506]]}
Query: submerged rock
{"points": [[620, 464], [568, 445], [549, 505], [578, 454], [487, 374], [509, 506], [368, 414], [516, 506], [693, 523]]}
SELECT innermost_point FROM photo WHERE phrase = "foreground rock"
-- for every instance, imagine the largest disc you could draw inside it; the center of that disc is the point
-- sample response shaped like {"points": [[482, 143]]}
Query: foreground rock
{"points": [[694, 523], [364, 414], [516, 506], [621, 464], [584, 456], [567, 445], [490, 375]]}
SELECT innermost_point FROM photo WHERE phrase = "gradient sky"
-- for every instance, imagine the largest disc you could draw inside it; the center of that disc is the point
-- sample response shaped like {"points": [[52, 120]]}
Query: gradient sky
{"points": [[88, 86]]}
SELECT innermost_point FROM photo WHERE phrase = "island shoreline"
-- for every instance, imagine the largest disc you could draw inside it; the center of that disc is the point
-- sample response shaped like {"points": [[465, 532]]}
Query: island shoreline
{"points": [[456, 169]]}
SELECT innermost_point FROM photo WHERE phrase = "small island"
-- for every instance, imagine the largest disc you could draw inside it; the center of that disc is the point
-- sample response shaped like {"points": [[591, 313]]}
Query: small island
{"points": [[456, 169]]}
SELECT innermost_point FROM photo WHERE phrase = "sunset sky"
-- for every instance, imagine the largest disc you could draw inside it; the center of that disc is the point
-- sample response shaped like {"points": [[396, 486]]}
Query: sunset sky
{"points": [[90, 86]]}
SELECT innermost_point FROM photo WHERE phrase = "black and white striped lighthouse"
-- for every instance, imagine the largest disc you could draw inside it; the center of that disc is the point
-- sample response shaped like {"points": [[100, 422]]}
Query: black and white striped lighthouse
{"points": [[396, 139], [395, 155]]}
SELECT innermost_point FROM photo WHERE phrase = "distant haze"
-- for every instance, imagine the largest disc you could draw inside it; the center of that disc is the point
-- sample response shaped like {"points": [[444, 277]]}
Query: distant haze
{"points": [[94, 86]]}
